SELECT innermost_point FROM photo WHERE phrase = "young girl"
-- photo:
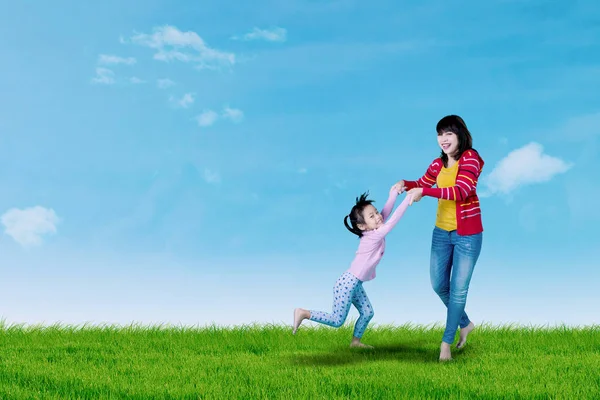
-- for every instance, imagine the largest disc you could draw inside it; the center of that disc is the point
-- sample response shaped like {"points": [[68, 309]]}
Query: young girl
{"points": [[371, 227]]}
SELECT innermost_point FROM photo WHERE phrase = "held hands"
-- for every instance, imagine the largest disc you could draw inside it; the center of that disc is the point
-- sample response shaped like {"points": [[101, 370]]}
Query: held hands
{"points": [[415, 194], [399, 187]]}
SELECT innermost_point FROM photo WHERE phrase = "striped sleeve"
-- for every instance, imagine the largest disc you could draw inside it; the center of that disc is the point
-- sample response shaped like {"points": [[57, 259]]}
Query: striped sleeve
{"points": [[469, 168], [428, 179]]}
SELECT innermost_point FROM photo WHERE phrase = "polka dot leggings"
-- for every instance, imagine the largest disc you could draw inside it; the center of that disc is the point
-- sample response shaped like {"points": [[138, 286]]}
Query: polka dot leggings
{"points": [[347, 290]]}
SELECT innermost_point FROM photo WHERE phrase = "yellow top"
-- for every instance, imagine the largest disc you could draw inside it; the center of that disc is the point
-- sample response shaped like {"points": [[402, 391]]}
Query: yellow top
{"points": [[446, 211]]}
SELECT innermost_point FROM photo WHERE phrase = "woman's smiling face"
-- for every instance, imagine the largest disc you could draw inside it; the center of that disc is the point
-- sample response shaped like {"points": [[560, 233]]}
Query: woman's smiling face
{"points": [[448, 142]]}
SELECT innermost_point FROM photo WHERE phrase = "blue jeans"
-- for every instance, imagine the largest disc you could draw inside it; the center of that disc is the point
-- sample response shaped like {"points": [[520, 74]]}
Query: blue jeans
{"points": [[453, 259]]}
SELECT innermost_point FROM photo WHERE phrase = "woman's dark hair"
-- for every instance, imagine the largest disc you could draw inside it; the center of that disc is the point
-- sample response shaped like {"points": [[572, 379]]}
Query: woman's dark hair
{"points": [[456, 125], [356, 214]]}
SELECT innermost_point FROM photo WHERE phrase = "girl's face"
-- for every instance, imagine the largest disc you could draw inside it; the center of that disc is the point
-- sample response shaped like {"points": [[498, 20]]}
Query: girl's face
{"points": [[448, 142], [372, 218]]}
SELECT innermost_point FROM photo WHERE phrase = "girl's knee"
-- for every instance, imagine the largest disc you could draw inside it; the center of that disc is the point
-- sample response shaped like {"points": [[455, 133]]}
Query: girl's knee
{"points": [[368, 314], [338, 323]]}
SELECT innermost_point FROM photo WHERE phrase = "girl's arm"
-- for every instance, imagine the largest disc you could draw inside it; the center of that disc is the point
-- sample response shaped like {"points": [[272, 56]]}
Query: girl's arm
{"points": [[469, 169], [396, 216], [387, 208], [428, 179]]}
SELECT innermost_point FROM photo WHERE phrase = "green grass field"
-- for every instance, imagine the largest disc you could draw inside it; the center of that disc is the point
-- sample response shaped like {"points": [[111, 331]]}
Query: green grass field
{"points": [[260, 362]]}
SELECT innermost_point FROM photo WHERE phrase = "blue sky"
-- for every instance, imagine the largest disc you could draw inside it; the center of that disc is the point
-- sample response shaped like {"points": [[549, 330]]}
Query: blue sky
{"points": [[193, 163]]}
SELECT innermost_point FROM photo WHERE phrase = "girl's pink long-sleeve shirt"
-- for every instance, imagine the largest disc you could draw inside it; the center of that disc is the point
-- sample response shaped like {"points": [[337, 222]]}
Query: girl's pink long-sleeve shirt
{"points": [[372, 244]]}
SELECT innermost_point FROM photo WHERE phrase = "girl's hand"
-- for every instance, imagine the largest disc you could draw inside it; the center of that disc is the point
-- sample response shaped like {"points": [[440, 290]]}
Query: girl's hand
{"points": [[396, 188], [416, 195], [399, 187]]}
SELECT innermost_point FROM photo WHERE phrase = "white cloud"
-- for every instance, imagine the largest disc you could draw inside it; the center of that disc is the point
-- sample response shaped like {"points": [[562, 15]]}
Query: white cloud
{"points": [[104, 76], [136, 81], [207, 118], [164, 83], [270, 35], [211, 176], [27, 226], [233, 114], [524, 166], [111, 59], [184, 102], [172, 44]]}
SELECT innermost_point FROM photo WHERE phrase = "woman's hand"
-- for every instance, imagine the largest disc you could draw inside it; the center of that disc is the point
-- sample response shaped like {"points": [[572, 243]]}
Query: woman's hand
{"points": [[416, 195]]}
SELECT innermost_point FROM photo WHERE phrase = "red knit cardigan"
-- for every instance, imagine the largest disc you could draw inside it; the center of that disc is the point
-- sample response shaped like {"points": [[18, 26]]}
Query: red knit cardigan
{"points": [[468, 213]]}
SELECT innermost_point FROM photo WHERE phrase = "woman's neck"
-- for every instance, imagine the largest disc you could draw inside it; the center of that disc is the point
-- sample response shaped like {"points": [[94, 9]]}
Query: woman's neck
{"points": [[451, 161]]}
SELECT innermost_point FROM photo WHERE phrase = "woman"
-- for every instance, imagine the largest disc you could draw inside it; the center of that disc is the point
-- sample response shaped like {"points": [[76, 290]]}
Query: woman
{"points": [[458, 231]]}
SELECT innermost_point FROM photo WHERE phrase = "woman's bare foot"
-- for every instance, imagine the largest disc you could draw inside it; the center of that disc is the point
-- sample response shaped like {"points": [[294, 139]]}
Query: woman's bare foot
{"points": [[445, 354], [464, 332], [357, 343], [300, 315]]}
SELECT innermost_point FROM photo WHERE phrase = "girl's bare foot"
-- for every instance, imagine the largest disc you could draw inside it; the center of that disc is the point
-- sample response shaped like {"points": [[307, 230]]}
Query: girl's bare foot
{"points": [[445, 354], [357, 343], [300, 315], [463, 335]]}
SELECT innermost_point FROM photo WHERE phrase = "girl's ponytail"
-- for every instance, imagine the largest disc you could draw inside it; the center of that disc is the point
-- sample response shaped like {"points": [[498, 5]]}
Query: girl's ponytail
{"points": [[355, 215], [346, 223], [355, 231]]}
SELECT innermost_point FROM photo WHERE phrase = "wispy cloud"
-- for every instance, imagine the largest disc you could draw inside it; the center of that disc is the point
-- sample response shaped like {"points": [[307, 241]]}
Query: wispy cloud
{"points": [[275, 34], [112, 60], [184, 102], [172, 44], [211, 176], [104, 76], [27, 226], [207, 118], [136, 81], [164, 83], [524, 166], [233, 114]]}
